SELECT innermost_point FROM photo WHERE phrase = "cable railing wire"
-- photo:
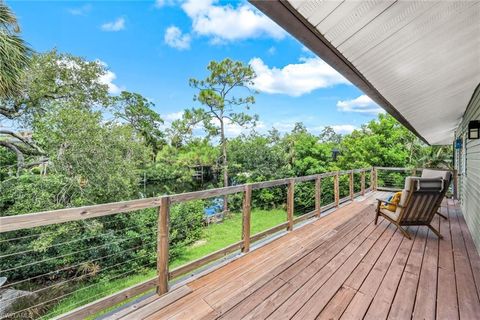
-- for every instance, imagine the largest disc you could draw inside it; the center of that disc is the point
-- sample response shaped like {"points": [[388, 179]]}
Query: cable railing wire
{"points": [[65, 295], [69, 242], [61, 283], [76, 252], [77, 265]]}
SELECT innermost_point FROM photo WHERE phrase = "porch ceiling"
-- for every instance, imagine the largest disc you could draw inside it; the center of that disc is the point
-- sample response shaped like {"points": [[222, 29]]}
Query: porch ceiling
{"points": [[419, 60]]}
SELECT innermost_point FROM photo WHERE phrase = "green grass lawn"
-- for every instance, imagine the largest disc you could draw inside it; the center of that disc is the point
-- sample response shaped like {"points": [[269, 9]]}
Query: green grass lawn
{"points": [[220, 235], [215, 237]]}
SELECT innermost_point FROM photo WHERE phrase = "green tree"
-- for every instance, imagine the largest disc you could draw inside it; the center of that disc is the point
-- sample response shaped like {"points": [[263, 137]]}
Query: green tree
{"points": [[217, 95], [139, 113], [435, 157], [51, 78], [329, 135], [99, 159], [14, 54], [256, 157], [306, 154], [381, 142]]}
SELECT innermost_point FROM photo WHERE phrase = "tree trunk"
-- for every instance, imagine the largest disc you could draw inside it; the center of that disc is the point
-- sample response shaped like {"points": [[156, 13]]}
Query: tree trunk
{"points": [[224, 162]]}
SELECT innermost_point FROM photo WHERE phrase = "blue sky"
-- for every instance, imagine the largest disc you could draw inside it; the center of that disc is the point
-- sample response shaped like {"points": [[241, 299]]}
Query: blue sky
{"points": [[154, 47]]}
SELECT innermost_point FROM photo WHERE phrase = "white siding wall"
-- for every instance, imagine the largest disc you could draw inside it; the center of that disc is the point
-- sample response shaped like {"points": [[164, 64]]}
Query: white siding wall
{"points": [[470, 177]]}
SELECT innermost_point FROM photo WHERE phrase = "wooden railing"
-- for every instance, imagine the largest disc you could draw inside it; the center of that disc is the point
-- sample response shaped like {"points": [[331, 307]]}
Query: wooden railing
{"points": [[163, 204]]}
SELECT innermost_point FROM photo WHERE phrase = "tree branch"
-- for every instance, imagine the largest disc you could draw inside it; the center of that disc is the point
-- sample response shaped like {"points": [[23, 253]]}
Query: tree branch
{"points": [[24, 140], [20, 157]]}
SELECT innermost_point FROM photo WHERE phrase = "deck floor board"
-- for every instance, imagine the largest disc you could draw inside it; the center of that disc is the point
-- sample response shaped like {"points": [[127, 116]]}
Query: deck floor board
{"points": [[342, 266]]}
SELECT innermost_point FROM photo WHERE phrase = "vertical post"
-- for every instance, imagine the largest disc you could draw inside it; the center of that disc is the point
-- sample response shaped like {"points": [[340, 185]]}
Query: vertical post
{"points": [[372, 180], [362, 183], [336, 189], [455, 184], [318, 195], [246, 214], [351, 185], [375, 179], [162, 245], [290, 203]]}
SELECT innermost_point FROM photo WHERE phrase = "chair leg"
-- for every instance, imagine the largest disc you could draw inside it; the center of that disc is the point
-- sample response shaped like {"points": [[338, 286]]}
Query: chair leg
{"points": [[442, 215], [405, 232], [435, 231]]}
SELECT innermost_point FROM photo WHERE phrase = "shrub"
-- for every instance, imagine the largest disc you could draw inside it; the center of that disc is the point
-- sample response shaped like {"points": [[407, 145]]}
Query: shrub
{"points": [[186, 222]]}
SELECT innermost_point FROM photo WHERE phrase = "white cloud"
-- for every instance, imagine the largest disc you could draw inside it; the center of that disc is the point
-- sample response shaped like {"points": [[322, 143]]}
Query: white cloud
{"points": [[272, 50], [361, 104], [176, 39], [343, 128], [295, 79], [117, 25], [108, 79], [80, 11], [228, 23]]}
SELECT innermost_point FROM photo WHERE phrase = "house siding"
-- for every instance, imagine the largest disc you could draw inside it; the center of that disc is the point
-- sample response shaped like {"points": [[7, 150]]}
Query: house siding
{"points": [[467, 162]]}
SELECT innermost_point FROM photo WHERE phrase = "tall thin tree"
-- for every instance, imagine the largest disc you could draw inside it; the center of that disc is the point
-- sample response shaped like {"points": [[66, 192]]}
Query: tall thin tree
{"points": [[222, 108]]}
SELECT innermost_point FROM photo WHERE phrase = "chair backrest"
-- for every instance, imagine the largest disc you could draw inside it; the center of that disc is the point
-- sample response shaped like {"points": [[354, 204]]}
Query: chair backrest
{"points": [[421, 199], [436, 173]]}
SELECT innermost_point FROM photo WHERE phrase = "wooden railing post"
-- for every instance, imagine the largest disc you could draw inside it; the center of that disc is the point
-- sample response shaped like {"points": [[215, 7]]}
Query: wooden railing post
{"points": [[318, 195], [455, 184], [362, 183], [162, 245], [290, 203], [351, 185], [246, 214], [374, 179], [336, 189]]}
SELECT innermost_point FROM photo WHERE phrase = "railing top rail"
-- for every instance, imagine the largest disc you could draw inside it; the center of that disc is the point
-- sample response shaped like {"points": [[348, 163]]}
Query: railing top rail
{"points": [[409, 169], [31, 220]]}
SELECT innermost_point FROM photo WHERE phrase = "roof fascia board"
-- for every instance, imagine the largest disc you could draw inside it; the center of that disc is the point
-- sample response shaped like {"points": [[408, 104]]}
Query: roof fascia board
{"points": [[294, 23]]}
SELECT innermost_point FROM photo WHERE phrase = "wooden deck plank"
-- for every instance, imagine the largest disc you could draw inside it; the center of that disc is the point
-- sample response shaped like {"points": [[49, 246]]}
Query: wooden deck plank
{"points": [[471, 251], [300, 277], [327, 248], [425, 302], [468, 302], [447, 306], [319, 301], [304, 255], [341, 266], [366, 292], [311, 301], [380, 306], [337, 304], [403, 303]]}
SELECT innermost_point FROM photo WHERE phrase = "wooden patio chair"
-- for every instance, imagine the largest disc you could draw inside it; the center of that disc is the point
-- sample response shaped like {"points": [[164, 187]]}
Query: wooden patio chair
{"points": [[436, 173], [418, 204]]}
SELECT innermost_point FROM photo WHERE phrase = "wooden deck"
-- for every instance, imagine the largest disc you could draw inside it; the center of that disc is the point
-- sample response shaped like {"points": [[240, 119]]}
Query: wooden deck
{"points": [[340, 266]]}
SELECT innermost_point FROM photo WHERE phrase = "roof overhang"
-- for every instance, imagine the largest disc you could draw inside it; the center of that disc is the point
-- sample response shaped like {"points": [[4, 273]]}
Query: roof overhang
{"points": [[419, 60]]}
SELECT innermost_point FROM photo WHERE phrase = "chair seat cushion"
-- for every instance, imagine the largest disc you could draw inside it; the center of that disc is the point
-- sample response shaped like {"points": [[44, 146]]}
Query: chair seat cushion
{"points": [[391, 214]]}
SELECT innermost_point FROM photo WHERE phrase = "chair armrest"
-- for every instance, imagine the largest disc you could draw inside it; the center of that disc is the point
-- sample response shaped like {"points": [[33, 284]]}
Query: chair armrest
{"points": [[388, 202]]}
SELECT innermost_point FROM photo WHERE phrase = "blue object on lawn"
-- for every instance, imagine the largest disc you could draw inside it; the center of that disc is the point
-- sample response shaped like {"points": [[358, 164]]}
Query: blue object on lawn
{"points": [[216, 207]]}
